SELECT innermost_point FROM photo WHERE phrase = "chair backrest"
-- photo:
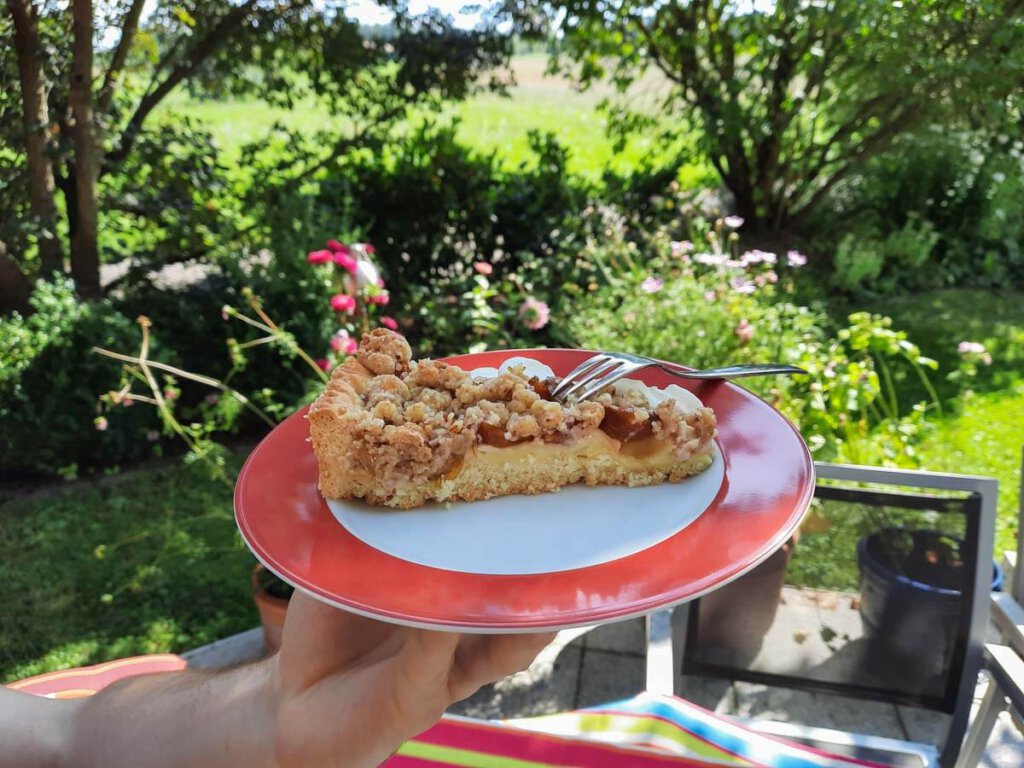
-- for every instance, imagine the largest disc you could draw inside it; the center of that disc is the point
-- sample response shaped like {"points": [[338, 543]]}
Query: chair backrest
{"points": [[887, 596]]}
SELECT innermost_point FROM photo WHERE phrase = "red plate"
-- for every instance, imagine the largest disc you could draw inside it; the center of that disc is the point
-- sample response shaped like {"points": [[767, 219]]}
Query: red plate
{"points": [[769, 480]]}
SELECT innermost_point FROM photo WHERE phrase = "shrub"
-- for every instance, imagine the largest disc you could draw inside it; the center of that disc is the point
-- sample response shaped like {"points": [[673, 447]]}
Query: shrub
{"points": [[722, 307], [49, 381]]}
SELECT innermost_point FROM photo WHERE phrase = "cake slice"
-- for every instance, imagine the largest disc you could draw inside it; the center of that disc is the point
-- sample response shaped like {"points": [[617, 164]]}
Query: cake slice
{"points": [[402, 433]]}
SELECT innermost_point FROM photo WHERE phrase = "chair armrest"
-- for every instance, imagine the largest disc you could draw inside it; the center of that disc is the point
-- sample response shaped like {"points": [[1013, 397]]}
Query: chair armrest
{"points": [[1007, 670], [1008, 616]]}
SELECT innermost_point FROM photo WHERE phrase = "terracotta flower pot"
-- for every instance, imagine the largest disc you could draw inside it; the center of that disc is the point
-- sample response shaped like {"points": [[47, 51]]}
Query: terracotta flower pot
{"points": [[272, 612]]}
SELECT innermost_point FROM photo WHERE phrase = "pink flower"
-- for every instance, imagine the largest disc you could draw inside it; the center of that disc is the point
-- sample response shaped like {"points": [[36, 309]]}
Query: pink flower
{"points": [[389, 322], [380, 299], [965, 348], [380, 282], [342, 302], [482, 267], [343, 260], [342, 342], [323, 363], [652, 285], [170, 394], [366, 247], [319, 257], [767, 277], [128, 402], [534, 314], [733, 222], [337, 247], [101, 423], [710, 295], [744, 331], [681, 248], [742, 285], [759, 257], [796, 259]]}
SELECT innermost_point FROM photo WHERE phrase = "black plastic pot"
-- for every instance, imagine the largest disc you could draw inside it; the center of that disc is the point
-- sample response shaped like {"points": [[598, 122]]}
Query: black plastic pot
{"points": [[910, 597]]}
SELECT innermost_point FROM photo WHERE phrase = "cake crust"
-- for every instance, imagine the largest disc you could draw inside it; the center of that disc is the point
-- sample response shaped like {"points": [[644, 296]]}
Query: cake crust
{"points": [[401, 433]]}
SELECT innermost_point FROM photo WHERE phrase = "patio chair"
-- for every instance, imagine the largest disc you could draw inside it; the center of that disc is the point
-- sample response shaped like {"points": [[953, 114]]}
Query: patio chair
{"points": [[854, 658]]}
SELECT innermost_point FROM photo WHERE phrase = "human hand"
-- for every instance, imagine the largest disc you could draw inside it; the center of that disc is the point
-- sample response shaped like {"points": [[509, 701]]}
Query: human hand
{"points": [[351, 690]]}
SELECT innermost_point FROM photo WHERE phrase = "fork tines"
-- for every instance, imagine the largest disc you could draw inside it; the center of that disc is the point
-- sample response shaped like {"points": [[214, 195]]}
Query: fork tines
{"points": [[591, 376]]}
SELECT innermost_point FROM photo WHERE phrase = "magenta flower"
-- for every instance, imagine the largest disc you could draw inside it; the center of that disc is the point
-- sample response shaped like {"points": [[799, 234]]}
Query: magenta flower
{"points": [[337, 247], [483, 268], [534, 314], [342, 302], [652, 285], [345, 261], [744, 331], [101, 423], [796, 259], [323, 363], [319, 257], [342, 342], [733, 222], [389, 322], [742, 285], [681, 248]]}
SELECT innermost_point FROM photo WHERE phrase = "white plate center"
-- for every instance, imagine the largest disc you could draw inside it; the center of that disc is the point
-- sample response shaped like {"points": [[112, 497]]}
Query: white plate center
{"points": [[576, 527]]}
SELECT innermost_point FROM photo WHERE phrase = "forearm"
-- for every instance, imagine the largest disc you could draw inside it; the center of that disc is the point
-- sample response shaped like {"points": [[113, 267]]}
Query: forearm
{"points": [[206, 720]]}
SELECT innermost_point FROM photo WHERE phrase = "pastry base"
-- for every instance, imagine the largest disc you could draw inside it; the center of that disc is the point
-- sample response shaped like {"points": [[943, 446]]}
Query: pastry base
{"points": [[528, 468]]}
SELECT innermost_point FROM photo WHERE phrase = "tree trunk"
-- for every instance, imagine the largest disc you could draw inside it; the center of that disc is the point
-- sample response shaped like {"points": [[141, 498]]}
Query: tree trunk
{"points": [[85, 261], [36, 118], [15, 288]]}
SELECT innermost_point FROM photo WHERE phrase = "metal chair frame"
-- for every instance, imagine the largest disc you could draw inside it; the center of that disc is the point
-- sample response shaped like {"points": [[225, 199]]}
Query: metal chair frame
{"points": [[667, 631]]}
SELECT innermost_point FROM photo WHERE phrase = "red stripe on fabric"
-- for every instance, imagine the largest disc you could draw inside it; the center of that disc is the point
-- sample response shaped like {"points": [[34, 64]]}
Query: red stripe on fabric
{"points": [[505, 741], [98, 676], [403, 761]]}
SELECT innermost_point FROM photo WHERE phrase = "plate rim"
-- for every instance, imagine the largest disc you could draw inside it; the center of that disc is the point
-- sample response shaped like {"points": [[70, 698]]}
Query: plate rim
{"points": [[641, 607]]}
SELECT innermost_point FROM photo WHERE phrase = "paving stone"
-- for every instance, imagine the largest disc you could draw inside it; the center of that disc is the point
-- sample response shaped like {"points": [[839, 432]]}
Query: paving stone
{"points": [[710, 693], [547, 687], [759, 702], [1006, 746], [228, 652], [608, 676], [623, 636]]}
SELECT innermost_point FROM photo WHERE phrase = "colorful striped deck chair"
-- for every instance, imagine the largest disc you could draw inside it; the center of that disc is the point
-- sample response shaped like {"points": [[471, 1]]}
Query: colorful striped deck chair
{"points": [[647, 731]]}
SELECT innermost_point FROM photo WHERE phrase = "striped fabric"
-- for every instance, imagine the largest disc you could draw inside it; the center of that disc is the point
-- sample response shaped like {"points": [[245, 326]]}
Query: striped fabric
{"points": [[457, 741], [667, 724], [647, 731], [85, 681]]}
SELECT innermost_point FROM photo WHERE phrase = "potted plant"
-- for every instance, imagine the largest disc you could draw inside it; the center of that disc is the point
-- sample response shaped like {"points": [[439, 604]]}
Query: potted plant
{"points": [[272, 596], [911, 596]]}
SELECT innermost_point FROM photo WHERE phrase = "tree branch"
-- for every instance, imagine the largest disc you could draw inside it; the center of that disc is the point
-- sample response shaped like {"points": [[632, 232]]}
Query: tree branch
{"points": [[36, 118], [128, 29], [205, 48], [85, 259]]}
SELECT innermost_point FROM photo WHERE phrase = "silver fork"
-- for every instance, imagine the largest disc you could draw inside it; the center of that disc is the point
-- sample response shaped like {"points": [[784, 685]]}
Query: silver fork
{"points": [[597, 372]]}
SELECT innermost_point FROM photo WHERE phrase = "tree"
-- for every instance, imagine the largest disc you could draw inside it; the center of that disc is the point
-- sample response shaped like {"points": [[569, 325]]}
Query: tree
{"points": [[81, 156], [790, 101]]}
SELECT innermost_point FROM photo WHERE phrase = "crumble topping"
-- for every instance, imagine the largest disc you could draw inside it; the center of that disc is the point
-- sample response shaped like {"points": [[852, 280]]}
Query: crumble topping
{"points": [[406, 420]]}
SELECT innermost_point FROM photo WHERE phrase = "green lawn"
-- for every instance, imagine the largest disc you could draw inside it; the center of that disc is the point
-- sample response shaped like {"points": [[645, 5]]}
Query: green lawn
{"points": [[488, 123], [149, 564], [987, 435]]}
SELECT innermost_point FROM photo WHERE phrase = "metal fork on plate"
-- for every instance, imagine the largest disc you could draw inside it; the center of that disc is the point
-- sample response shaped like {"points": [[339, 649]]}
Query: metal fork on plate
{"points": [[597, 372]]}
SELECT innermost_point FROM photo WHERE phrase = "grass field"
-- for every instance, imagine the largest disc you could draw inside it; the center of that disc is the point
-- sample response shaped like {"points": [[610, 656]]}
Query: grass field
{"points": [[488, 123]]}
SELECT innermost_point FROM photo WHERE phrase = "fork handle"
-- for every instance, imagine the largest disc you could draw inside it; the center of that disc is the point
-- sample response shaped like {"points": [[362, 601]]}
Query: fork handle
{"points": [[735, 371]]}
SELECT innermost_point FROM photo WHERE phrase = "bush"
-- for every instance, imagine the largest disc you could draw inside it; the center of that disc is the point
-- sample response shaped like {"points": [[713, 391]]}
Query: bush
{"points": [[719, 308], [49, 382], [939, 211]]}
